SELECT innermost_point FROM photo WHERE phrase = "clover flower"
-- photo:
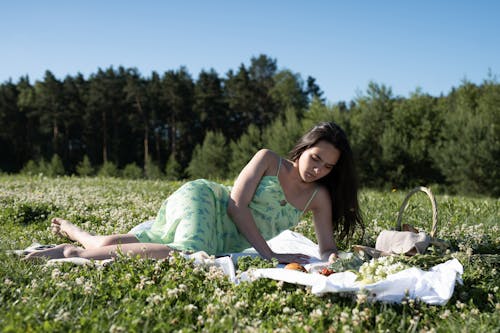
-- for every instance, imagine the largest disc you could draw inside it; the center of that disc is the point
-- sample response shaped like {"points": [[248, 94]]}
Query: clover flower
{"points": [[378, 269], [190, 308]]}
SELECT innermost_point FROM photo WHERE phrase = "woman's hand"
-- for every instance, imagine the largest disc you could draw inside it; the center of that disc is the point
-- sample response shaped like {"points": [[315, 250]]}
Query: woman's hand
{"points": [[286, 258], [333, 258]]}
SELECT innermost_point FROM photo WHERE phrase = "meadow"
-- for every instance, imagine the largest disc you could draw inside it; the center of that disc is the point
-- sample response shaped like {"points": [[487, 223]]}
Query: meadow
{"points": [[137, 295]]}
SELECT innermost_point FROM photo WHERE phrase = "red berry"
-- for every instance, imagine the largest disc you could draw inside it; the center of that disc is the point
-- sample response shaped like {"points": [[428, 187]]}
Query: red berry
{"points": [[326, 271]]}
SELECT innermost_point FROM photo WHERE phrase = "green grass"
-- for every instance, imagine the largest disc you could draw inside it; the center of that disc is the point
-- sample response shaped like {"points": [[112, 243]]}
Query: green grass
{"points": [[135, 295]]}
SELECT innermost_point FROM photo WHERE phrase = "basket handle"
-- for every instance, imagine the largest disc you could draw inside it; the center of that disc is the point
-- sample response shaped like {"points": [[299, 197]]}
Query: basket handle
{"points": [[434, 208]]}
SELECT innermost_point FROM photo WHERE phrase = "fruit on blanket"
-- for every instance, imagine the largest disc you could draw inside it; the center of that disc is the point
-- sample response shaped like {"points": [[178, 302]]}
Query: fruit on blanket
{"points": [[295, 266], [326, 271]]}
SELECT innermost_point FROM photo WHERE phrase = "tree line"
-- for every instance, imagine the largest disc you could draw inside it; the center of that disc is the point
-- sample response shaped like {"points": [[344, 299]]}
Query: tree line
{"points": [[118, 122]]}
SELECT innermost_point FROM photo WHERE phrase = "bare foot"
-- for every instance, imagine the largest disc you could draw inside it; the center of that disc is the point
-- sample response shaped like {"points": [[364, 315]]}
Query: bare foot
{"points": [[60, 251], [64, 228]]}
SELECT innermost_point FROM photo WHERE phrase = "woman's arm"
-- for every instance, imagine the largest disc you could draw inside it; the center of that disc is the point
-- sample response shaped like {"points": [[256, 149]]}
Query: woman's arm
{"points": [[321, 207], [241, 195]]}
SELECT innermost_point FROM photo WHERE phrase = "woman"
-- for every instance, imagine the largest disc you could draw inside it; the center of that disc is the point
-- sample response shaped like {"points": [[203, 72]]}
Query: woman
{"points": [[270, 195]]}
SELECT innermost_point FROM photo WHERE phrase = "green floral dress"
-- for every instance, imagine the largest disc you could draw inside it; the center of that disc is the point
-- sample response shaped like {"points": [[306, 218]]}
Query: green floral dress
{"points": [[194, 218]]}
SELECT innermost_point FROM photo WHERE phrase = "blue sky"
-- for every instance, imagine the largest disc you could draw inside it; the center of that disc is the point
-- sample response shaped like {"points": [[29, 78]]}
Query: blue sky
{"points": [[431, 45]]}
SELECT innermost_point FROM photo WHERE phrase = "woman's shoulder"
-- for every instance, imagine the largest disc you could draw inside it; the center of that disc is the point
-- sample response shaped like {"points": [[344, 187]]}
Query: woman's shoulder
{"points": [[322, 198], [267, 155], [266, 152], [268, 160]]}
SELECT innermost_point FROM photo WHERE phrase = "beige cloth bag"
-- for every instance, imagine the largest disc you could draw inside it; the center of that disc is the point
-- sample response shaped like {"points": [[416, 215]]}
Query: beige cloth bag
{"points": [[402, 242], [406, 239]]}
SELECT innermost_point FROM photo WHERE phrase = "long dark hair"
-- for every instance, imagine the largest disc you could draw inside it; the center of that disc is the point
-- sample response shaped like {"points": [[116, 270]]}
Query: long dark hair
{"points": [[342, 180]]}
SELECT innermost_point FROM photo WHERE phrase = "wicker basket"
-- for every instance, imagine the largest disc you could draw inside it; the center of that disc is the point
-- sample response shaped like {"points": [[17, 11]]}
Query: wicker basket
{"points": [[434, 208]]}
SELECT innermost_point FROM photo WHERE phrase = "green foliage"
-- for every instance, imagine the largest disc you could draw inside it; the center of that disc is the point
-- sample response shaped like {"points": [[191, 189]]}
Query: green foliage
{"points": [[317, 112], [248, 262], [211, 159], [27, 213], [209, 101], [370, 117], [121, 116], [282, 134], [244, 149], [288, 92], [30, 169], [53, 169], [56, 167], [132, 171], [152, 170], [84, 168], [43, 167], [173, 170], [407, 141], [468, 152], [108, 169]]}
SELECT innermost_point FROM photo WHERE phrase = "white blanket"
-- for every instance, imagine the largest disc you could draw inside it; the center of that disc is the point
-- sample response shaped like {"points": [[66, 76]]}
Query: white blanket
{"points": [[432, 287]]}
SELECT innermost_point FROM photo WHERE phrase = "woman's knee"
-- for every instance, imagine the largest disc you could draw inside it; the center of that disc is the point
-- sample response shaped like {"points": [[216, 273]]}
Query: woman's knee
{"points": [[71, 251]]}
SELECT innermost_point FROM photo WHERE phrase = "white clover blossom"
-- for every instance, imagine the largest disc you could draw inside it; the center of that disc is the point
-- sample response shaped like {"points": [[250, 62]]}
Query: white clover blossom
{"points": [[62, 315], [344, 316], [215, 273], [445, 314], [116, 329], [361, 297], [460, 305], [190, 308], [155, 299], [378, 269], [173, 292], [55, 273], [88, 288], [316, 314], [210, 309], [240, 305]]}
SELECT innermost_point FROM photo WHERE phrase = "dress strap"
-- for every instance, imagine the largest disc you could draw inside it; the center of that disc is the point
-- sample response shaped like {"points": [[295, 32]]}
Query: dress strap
{"points": [[279, 167], [311, 198]]}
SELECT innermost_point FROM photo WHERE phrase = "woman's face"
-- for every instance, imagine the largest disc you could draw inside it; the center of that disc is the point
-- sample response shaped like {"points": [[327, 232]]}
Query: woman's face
{"points": [[317, 161]]}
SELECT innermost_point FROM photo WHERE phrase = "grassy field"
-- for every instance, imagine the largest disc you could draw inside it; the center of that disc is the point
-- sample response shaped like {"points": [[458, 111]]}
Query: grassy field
{"points": [[133, 295]]}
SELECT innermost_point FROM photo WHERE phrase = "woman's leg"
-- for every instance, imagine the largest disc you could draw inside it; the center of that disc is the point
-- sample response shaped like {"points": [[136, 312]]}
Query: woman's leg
{"points": [[88, 240], [144, 250]]}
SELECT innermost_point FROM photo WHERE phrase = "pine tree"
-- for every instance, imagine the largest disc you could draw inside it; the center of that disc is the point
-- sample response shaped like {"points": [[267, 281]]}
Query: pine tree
{"points": [[173, 170], [210, 160], [243, 149], [132, 171], [84, 168], [152, 170], [56, 167], [282, 134], [108, 169]]}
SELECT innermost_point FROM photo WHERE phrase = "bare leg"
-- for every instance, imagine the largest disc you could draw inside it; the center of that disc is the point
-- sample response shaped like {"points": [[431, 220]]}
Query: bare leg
{"points": [[88, 240], [51, 253], [144, 250]]}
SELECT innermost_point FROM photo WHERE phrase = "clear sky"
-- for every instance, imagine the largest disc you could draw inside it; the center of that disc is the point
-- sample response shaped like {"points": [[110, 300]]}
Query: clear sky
{"points": [[428, 44]]}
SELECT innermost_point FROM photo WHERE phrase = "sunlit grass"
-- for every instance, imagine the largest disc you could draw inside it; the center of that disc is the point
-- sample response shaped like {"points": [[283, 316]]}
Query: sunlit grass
{"points": [[167, 295]]}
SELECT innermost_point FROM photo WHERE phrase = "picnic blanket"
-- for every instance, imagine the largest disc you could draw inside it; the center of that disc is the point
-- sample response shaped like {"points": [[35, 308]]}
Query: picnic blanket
{"points": [[434, 287]]}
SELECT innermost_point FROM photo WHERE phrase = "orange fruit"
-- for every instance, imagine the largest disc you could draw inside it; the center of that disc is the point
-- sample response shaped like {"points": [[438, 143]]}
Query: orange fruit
{"points": [[295, 266]]}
